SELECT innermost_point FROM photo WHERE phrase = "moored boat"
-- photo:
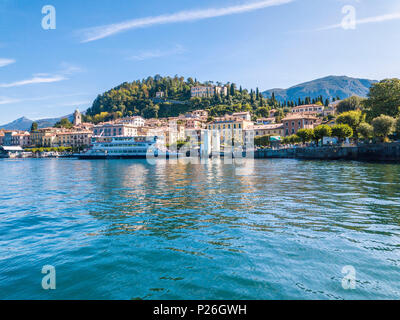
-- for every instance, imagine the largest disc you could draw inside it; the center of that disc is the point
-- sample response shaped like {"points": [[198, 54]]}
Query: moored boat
{"points": [[138, 147]]}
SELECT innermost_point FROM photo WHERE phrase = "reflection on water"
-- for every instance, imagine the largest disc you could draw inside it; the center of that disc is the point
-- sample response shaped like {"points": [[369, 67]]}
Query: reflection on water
{"points": [[126, 229]]}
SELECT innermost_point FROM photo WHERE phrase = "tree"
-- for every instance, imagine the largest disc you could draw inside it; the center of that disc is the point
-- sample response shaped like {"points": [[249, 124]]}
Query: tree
{"points": [[342, 131], [151, 111], [352, 119], [64, 123], [365, 130], [397, 126], [262, 141], [384, 98], [383, 126], [322, 131], [291, 139], [350, 104], [305, 135], [263, 112], [294, 138], [34, 126]]}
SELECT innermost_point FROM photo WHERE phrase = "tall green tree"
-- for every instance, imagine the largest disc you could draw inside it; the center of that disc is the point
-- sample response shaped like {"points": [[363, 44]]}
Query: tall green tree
{"points": [[305, 135], [397, 126], [342, 131], [383, 126], [365, 130], [64, 123], [352, 119], [384, 98], [322, 131], [350, 104]]}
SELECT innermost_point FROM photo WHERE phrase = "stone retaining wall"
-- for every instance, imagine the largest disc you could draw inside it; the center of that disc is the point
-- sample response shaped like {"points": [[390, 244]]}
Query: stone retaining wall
{"points": [[373, 152]]}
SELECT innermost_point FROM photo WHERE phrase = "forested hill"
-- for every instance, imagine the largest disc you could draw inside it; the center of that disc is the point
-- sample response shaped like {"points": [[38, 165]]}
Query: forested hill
{"points": [[139, 98]]}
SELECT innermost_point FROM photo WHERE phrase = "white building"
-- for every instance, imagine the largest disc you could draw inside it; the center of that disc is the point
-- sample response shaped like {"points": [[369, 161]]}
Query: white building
{"points": [[135, 121], [119, 129], [207, 91]]}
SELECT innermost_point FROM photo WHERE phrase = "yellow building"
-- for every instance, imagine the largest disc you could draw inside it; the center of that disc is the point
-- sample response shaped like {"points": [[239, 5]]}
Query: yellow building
{"points": [[73, 139], [263, 130], [230, 130], [43, 137]]}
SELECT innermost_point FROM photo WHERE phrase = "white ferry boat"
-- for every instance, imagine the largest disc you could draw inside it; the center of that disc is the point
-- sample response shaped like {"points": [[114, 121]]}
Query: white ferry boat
{"points": [[126, 148]]}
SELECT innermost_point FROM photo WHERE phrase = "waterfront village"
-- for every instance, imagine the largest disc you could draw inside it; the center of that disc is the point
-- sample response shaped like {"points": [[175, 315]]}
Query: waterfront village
{"points": [[306, 125]]}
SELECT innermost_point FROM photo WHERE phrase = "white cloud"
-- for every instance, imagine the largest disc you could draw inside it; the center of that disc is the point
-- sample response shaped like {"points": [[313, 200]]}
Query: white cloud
{"points": [[5, 100], [5, 62], [39, 78], [96, 33], [376, 19], [157, 53]]}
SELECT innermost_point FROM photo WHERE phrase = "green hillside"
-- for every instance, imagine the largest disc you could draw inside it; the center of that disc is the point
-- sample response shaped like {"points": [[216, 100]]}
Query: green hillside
{"points": [[139, 98]]}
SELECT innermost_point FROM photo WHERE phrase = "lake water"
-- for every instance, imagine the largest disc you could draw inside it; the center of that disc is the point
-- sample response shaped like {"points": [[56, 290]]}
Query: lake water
{"points": [[125, 229]]}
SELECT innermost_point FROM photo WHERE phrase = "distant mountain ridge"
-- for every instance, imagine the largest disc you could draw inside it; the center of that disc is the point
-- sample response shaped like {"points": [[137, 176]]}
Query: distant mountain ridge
{"points": [[24, 124], [329, 87]]}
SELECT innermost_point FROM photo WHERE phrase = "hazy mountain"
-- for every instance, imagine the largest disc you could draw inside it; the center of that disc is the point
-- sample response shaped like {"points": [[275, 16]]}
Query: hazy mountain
{"points": [[25, 123], [329, 87]]}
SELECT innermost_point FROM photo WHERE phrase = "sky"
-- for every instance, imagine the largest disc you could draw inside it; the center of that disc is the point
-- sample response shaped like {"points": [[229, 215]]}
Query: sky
{"points": [[94, 46]]}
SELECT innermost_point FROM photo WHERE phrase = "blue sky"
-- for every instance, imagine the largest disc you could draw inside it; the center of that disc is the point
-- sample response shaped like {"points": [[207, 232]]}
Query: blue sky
{"points": [[255, 43]]}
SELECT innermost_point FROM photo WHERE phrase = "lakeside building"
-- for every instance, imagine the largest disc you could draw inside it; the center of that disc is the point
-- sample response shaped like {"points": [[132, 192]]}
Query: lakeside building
{"points": [[73, 139], [108, 129], [16, 138], [310, 109], [57, 137], [207, 91], [230, 130], [252, 132], [294, 122], [43, 137], [268, 130]]}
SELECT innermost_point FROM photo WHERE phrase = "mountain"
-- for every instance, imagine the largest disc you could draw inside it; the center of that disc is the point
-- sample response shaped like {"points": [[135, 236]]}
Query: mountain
{"points": [[329, 87], [25, 124], [19, 124]]}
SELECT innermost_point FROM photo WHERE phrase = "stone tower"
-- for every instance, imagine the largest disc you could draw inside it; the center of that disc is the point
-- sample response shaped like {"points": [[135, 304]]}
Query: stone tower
{"points": [[77, 118]]}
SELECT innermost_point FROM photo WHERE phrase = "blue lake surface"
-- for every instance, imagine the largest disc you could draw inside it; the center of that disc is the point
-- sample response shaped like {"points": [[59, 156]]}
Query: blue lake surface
{"points": [[126, 229]]}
